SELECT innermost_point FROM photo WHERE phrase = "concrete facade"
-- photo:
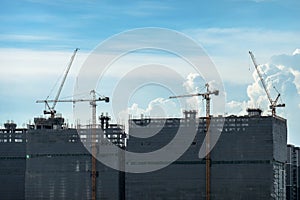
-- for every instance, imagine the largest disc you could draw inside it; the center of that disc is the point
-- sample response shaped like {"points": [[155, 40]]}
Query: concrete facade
{"points": [[49, 161], [12, 161], [246, 163], [293, 173]]}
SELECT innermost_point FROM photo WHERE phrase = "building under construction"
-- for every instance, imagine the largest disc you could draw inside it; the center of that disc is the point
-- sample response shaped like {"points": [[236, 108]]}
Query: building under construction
{"points": [[293, 173], [247, 162], [12, 161], [50, 161]]}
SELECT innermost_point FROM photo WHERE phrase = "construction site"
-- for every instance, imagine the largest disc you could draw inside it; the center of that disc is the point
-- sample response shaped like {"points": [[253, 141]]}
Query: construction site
{"points": [[251, 159]]}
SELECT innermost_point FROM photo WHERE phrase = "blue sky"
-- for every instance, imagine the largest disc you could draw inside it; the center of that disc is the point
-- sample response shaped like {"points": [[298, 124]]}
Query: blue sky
{"points": [[59, 24], [37, 38]]}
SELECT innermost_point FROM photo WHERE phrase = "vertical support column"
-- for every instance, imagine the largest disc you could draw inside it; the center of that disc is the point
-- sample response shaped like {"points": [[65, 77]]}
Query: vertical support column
{"points": [[207, 145], [94, 161]]}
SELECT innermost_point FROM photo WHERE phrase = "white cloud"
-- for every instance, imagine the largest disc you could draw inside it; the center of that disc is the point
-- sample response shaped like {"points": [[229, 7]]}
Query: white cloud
{"points": [[134, 110], [228, 48], [157, 108], [229, 39], [23, 37], [297, 51], [274, 75], [29, 64], [194, 84], [27, 69], [296, 81], [237, 108], [283, 72], [29, 75], [256, 94], [161, 107]]}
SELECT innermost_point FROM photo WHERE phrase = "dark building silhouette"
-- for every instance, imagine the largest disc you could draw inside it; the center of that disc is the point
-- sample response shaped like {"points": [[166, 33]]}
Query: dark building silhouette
{"points": [[293, 173], [12, 161], [247, 162], [50, 161]]}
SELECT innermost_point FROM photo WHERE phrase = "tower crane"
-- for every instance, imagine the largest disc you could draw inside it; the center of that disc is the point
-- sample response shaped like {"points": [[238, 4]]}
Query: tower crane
{"points": [[273, 104], [51, 110], [206, 96], [93, 103]]}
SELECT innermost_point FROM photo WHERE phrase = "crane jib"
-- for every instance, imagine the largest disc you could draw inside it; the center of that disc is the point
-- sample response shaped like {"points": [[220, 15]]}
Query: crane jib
{"points": [[273, 104]]}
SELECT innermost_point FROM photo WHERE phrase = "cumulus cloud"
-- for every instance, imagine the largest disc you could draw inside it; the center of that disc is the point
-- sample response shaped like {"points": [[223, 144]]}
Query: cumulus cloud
{"points": [[194, 83], [296, 81], [228, 48], [236, 107], [297, 51], [283, 72], [158, 107], [161, 107]]}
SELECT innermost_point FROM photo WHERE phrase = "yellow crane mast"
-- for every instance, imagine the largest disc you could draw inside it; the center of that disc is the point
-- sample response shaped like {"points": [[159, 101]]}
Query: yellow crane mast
{"points": [[206, 96], [93, 103]]}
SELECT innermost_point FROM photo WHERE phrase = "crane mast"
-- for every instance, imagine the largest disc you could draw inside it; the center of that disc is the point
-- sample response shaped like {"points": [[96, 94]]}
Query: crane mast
{"points": [[93, 103], [273, 104], [206, 96]]}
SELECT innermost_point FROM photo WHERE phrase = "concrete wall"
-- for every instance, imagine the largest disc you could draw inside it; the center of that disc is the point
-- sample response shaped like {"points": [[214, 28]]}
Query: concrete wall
{"points": [[244, 163], [60, 169], [12, 163]]}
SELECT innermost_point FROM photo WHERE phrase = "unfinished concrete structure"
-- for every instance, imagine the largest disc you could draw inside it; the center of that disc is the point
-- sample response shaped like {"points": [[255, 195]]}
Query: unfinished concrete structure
{"points": [[293, 173], [248, 161], [58, 165], [49, 161], [12, 161]]}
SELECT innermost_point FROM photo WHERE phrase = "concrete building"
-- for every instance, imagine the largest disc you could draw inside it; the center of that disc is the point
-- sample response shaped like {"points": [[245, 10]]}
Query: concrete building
{"points": [[49, 161], [293, 173], [248, 161], [12, 161], [59, 164]]}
